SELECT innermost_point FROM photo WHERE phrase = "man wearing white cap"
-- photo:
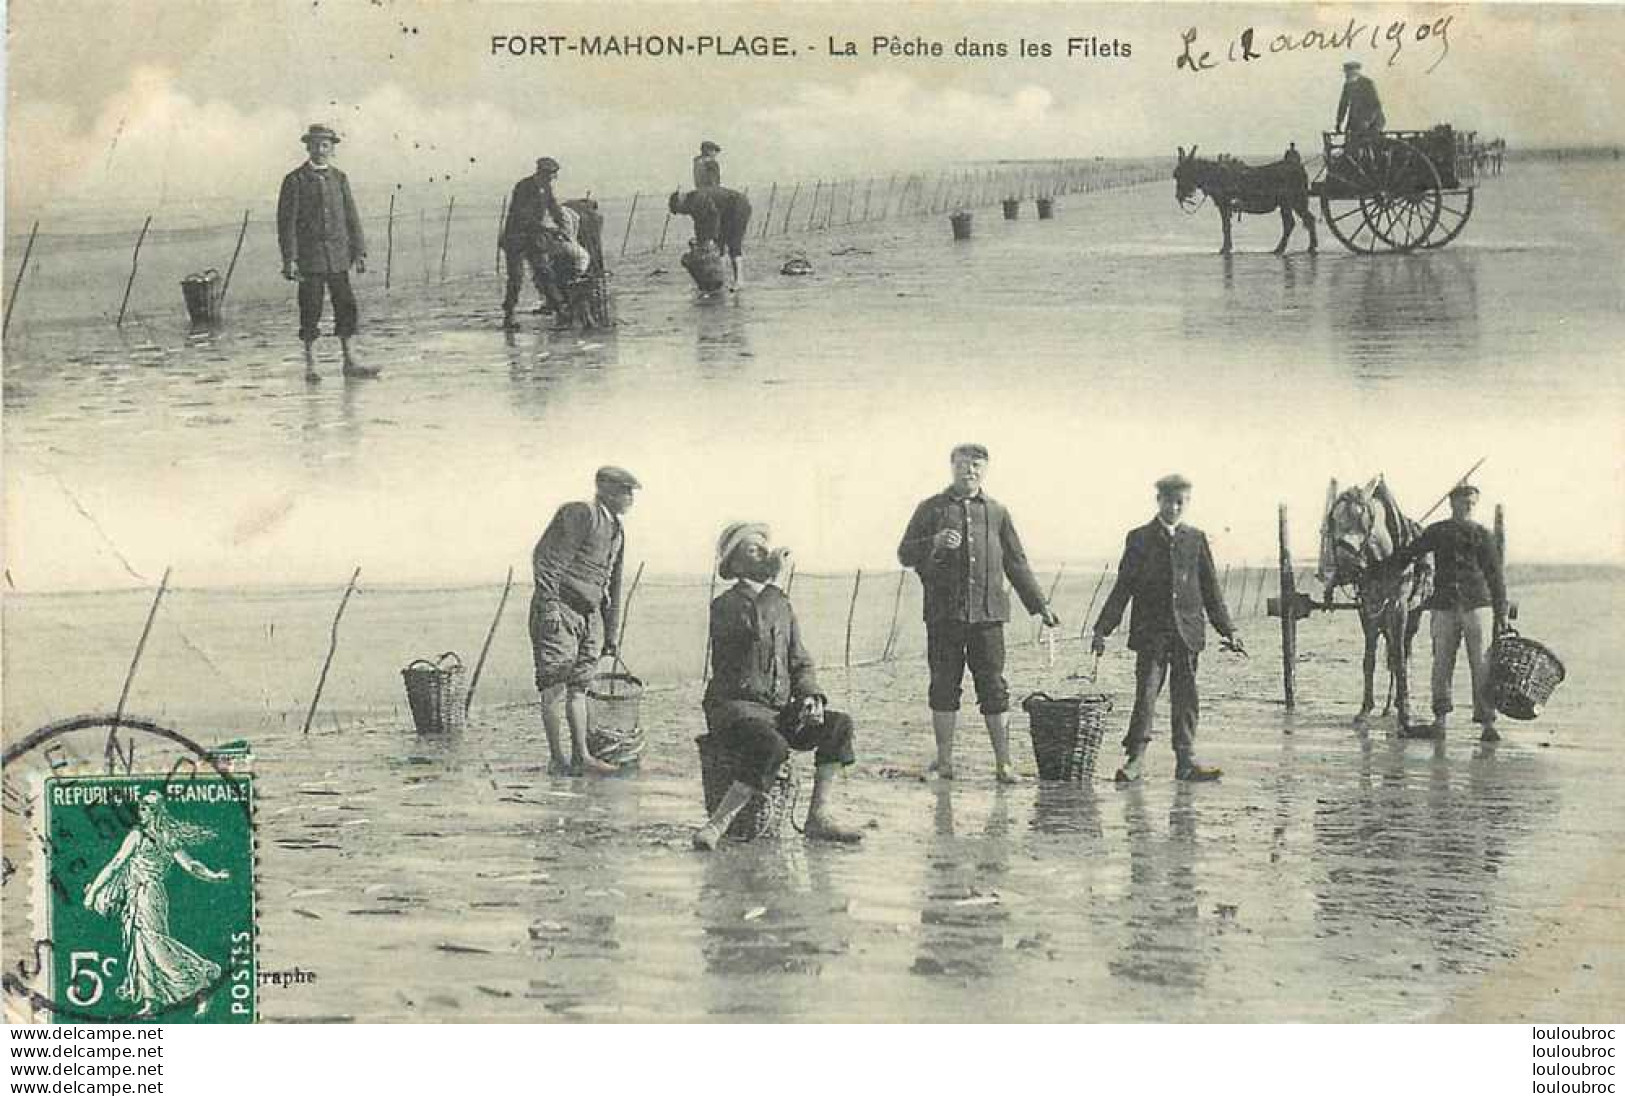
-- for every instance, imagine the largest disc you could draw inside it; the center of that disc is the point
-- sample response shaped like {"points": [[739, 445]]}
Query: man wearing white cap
{"points": [[576, 609], [763, 698]]}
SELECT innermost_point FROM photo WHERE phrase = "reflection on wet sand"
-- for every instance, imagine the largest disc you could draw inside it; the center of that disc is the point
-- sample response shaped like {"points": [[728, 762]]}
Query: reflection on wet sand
{"points": [[1164, 944], [1390, 309], [962, 920]]}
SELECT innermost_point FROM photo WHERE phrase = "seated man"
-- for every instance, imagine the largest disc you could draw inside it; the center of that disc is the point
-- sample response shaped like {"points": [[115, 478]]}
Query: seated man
{"points": [[763, 699], [721, 217]]}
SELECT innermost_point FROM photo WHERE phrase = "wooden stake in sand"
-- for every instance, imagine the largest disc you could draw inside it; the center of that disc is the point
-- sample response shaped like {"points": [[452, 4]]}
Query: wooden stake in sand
{"points": [[445, 236], [896, 605], [1289, 620], [631, 216], [767, 221], [140, 646], [789, 209], [664, 225], [851, 611], [479, 664], [1083, 625], [626, 608], [135, 264], [231, 268], [22, 268], [332, 649], [389, 244], [705, 670], [1038, 631]]}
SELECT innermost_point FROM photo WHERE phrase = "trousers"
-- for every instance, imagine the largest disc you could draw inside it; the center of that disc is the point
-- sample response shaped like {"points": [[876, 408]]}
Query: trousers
{"points": [[763, 737], [312, 289], [1451, 628], [1152, 668]]}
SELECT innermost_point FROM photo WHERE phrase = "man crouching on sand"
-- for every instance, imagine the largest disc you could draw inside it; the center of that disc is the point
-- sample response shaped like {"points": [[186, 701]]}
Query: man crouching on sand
{"points": [[763, 699]]}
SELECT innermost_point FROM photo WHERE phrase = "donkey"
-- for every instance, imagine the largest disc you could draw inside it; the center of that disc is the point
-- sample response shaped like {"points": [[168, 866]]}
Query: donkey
{"points": [[1236, 188], [1363, 528]]}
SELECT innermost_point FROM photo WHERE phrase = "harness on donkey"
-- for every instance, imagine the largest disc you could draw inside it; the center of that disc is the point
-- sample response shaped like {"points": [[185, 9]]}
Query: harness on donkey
{"points": [[1363, 528], [1237, 188]]}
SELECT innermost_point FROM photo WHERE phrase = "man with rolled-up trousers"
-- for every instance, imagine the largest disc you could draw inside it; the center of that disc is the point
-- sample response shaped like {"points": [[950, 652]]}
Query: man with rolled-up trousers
{"points": [[1167, 571], [575, 610], [964, 547]]}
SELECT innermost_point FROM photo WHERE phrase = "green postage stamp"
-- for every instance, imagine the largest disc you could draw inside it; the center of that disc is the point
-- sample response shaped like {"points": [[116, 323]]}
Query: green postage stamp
{"points": [[149, 904]]}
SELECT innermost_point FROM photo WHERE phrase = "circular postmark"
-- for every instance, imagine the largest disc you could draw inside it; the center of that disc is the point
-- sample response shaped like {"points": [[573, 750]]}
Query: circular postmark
{"points": [[131, 847]]}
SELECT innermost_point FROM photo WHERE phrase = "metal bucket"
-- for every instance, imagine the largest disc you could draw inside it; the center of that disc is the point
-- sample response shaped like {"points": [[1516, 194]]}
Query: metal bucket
{"points": [[961, 223], [1012, 208], [202, 295], [1046, 209]]}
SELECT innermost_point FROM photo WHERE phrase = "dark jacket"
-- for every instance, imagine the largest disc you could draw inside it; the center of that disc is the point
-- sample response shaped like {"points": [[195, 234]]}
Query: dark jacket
{"points": [[317, 225], [967, 584], [720, 215], [1360, 105], [531, 208], [1466, 566], [578, 561], [1171, 581], [756, 650], [707, 172]]}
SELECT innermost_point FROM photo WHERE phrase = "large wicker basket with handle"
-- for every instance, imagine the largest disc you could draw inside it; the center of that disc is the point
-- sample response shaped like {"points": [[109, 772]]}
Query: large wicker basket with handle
{"points": [[1523, 675], [1067, 732], [436, 693]]}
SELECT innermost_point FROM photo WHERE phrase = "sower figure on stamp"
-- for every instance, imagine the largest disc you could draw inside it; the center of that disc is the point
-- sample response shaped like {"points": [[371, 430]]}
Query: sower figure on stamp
{"points": [[1469, 599], [763, 699], [575, 611], [1167, 572], [964, 546], [721, 217], [532, 212], [319, 233], [707, 171], [1359, 105]]}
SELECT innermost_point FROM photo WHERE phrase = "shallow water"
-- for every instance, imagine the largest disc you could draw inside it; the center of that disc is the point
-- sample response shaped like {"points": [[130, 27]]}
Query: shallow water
{"points": [[1082, 333]]}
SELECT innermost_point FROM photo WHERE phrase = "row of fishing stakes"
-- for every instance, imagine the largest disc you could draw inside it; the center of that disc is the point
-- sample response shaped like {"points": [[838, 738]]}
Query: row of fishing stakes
{"points": [[960, 220], [789, 208]]}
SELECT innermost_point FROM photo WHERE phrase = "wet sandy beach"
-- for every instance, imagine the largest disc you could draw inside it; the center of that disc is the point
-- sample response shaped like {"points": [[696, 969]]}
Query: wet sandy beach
{"points": [[1329, 877]]}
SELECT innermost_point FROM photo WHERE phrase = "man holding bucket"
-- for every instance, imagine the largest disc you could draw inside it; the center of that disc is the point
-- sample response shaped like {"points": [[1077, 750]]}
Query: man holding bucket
{"points": [[763, 698], [1167, 571], [964, 547], [575, 611], [319, 233], [1469, 592]]}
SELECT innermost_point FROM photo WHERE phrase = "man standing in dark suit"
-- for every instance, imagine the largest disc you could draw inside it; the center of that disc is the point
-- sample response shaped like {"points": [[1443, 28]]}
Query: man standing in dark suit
{"points": [[319, 233], [964, 546], [1469, 607], [1359, 105], [533, 212], [1167, 571]]}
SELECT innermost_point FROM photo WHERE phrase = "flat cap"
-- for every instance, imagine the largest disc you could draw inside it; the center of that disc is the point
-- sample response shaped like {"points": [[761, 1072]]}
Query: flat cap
{"points": [[971, 449], [547, 163], [1171, 483], [710, 146], [611, 476], [1463, 490], [1351, 66], [319, 131]]}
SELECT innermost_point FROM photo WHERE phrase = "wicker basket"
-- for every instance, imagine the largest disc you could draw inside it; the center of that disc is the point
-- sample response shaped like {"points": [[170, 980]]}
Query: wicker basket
{"points": [[1067, 732], [764, 815], [436, 693], [590, 303], [614, 702], [1523, 675], [705, 265]]}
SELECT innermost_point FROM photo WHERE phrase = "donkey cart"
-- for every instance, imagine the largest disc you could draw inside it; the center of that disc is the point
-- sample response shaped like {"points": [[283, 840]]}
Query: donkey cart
{"points": [[1396, 190]]}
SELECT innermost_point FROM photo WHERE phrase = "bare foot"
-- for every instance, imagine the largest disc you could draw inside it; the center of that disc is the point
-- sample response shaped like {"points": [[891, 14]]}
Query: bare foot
{"points": [[940, 770], [557, 766], [591, 766], [1006, 774], [822, 829], [312, 377]]}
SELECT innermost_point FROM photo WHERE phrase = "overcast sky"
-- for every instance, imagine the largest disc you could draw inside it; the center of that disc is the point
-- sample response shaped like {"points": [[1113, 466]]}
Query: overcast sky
{"points": [[186, 99]]}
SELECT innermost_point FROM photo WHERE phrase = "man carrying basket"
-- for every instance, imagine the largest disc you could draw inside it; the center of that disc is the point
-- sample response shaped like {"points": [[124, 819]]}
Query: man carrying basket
{"points": [[576, 609], [763, 699], [1469, 593]]}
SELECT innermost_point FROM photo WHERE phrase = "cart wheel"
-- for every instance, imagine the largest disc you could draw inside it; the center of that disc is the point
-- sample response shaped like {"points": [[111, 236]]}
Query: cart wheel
{"points": [[1381, 194], [1455, 210]]}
